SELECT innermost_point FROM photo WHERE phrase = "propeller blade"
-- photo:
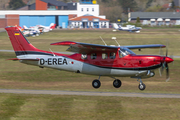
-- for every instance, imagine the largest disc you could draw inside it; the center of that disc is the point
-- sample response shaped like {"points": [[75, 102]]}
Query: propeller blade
{"points": [[163, 65], [167, 72], [160, 51], [160, 73], [167, 45]]}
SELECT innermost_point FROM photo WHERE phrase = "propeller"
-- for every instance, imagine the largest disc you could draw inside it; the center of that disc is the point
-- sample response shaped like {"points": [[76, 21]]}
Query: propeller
{"points": [[165, 64]]}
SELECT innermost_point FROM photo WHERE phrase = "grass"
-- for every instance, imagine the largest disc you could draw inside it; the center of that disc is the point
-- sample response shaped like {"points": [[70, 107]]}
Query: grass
{"points": [[55, 107], [14, 75]]}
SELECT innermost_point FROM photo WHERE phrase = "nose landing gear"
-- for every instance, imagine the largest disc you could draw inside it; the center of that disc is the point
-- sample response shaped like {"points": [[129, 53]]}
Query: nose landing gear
{"points": [[141, 86]]}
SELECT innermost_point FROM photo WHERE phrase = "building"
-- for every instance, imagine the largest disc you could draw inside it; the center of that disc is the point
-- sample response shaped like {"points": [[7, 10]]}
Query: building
{"points": [[45, 12], [155, 18], [88, 21], [176, 3]]}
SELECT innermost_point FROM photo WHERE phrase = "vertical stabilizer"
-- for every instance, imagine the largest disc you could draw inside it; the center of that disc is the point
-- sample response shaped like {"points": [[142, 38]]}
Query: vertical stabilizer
{"points": [[19, 42], [115, 26]]}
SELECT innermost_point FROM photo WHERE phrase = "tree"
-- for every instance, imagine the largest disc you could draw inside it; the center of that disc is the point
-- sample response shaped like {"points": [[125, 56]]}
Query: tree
{"points": [[148, 4], [137, 20], [15, 4], [105, 1], [173, 4], [131, 4]]}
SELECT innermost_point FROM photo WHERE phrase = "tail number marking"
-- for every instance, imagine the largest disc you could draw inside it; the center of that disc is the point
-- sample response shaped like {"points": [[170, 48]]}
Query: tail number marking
{"points": [[53, 61]]}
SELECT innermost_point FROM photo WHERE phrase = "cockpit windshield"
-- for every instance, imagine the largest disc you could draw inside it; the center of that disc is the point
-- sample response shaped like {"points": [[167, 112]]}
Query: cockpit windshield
{"points": [[124, 52]]}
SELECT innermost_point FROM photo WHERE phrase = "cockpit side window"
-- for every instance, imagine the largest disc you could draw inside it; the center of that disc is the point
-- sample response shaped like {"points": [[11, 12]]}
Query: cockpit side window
{"points": [[112, 55], [124, 52], [120, 54]]}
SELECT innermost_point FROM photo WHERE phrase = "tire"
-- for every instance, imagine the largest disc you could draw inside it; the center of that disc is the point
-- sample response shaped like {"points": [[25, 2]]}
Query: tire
{"points": [[96, 84], [117, 83], [142, 86]]}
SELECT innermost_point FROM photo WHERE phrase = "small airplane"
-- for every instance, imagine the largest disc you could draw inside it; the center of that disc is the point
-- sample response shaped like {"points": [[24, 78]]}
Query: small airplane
{"points": [[32, 29], [129, 28], [47, 28], [30, 32], [93, 59]]}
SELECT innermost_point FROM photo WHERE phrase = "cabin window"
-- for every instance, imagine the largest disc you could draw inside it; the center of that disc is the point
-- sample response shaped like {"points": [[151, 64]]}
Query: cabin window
{"points": [[112, 55], [104, 55], [93, 56], [84, 56]]}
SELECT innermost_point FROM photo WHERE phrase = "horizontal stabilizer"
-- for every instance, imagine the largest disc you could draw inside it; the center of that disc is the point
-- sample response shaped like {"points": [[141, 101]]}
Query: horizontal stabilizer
{"points": [[29, 59], [67, 43], [14, 59]]}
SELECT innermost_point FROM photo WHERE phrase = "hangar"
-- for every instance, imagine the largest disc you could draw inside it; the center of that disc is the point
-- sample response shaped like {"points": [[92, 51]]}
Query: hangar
{"points": [[155, 18]]}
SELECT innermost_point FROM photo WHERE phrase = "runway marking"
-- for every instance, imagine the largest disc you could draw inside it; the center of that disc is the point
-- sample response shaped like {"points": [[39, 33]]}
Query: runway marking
{"points": [[83, 93]]}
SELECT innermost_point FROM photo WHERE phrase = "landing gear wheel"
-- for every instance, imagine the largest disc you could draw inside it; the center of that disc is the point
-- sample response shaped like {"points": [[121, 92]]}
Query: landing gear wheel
{"points": [[96, 84], [117, 83], [142, 86]]}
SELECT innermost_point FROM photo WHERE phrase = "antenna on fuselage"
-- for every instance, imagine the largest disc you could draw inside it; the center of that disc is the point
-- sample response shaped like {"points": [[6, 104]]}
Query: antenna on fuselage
{"points": [[114, 38], [52, 52], [103, 40]]}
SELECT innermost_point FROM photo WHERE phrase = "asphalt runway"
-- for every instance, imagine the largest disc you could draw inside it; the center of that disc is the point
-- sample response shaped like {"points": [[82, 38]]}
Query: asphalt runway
{"points": [[83, 93]]}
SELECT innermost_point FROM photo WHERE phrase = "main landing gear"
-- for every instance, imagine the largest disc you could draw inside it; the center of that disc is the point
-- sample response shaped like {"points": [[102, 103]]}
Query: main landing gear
{"points": [[116, 83], [96, 83], [141, 86]]}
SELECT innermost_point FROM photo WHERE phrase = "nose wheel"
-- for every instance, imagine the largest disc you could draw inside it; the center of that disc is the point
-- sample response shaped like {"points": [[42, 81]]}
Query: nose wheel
{"points": [[141, 86]]}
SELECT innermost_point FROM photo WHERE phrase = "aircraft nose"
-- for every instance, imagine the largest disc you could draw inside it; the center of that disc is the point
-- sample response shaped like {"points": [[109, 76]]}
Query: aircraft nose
{"points": [[168, 59]]}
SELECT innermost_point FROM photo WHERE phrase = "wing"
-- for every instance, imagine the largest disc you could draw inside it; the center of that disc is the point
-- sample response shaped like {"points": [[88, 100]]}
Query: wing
{"points": [[145, 46], [86, 47]]}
